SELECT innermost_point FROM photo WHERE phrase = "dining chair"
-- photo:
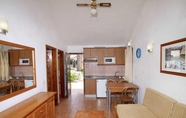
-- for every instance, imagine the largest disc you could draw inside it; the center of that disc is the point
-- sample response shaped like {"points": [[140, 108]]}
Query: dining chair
{"points": [[15, 85], [123, 81], [113, 94], [129, 95], [111, 81]]}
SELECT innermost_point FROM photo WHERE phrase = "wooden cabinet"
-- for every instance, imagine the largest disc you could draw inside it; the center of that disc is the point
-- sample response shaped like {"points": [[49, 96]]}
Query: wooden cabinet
{"points": [[100, 53], [51, 108], [109, 52], [90, 86], [90, 52], [120, 55], [30, 116], [40, 105], [15, 55], [40, 111]]}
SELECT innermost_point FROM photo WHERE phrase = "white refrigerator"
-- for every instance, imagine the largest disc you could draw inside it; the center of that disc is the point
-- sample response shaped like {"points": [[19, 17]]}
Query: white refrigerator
{"points": [[101, 88]]}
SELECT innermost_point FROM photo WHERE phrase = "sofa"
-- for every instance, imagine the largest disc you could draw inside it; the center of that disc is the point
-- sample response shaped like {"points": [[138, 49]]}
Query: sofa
{"points": [[155, 105]]}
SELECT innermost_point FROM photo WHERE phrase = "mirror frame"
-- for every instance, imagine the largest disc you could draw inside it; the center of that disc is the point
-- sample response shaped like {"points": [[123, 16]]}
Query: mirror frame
{"points": [[33, 68]]}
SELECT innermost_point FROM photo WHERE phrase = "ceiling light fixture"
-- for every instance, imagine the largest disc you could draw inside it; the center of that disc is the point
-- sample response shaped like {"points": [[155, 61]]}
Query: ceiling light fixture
{"points": [[3, 26]]}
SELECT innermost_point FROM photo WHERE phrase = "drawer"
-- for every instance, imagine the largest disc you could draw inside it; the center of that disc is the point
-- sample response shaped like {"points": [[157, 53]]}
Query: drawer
{"points": [[43, 115], [39, 111]]}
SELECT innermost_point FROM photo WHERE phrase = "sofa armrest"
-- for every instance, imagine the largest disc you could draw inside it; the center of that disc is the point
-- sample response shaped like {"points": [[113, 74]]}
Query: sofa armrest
{"points": [[179, 111]]}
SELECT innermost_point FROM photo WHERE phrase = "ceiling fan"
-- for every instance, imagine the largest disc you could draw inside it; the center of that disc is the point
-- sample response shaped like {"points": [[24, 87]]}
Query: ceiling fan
{"points": [[94, 5]]}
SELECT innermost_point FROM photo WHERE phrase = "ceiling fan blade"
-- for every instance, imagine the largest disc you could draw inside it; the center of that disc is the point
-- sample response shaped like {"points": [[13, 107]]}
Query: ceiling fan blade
{"points": [[105, 4], [82, 5]]}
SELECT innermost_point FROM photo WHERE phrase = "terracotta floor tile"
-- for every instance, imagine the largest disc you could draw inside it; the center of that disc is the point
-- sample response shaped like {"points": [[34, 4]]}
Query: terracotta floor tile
{"points": [[77, 101]]}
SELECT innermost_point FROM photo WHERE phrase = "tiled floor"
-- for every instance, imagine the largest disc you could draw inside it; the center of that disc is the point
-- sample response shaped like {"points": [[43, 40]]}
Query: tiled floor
{"points": [[77, 101]]}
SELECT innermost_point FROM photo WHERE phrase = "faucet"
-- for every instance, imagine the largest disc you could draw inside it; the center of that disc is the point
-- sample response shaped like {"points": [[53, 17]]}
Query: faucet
{"points": [[23, 76], [116, 73]]}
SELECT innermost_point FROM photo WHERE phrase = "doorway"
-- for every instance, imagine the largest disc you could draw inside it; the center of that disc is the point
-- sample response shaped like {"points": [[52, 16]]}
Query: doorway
{"points": [[51, 67], [76, 70]]}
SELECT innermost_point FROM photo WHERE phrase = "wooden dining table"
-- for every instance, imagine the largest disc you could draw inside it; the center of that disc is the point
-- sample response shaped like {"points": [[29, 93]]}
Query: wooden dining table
{"points": [[113, 88]]}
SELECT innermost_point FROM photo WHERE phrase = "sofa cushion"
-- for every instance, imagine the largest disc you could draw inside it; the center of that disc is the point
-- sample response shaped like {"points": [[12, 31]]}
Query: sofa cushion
{"points": [[134, 111], [158, 103], [179, 111]]}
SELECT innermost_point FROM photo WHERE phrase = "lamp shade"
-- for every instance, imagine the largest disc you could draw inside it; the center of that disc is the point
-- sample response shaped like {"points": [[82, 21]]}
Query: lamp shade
{"points": [[150, 47], [93, 11], [3, 26]]}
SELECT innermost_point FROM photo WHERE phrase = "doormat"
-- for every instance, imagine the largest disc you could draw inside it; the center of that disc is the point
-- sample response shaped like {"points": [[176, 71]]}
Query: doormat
{"points": [[90, 114]]}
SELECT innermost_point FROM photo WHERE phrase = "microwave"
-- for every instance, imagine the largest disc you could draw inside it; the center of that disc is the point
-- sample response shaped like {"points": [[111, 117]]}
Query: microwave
{"points": [[24, 61], [109, 60]]}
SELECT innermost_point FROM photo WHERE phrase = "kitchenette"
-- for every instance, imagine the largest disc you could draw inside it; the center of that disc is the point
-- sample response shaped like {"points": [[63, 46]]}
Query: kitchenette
{"points": [[100, 64]]}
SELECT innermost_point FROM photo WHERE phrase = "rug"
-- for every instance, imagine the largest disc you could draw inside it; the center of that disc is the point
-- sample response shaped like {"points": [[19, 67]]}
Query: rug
{"points": [[90, 114]]}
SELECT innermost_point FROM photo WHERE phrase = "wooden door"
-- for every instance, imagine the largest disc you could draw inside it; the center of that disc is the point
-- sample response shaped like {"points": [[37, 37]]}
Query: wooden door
{"points": [[49, 71], [51, 64], [61, 73]]}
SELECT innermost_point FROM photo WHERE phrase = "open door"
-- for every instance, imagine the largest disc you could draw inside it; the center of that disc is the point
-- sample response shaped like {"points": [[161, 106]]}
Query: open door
{"points": [[67, 73], [51, 64], [61, 74]]}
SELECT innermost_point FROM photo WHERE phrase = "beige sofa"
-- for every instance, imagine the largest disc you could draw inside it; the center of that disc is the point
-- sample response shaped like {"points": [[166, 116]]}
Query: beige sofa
{"points": [[155, 105]]}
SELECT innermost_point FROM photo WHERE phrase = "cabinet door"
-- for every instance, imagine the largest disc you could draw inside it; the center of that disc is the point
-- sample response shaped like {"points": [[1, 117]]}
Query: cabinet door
{"points": [[100, 55], [86, 52], [51, 108], [120, 55], [90, 86], [109, 52], [93, 52], [26, 54], [14, 57]]}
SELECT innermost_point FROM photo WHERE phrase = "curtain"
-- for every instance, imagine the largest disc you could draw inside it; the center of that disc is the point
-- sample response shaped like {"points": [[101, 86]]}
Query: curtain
{"points": [[4, 66], [128, 64]]}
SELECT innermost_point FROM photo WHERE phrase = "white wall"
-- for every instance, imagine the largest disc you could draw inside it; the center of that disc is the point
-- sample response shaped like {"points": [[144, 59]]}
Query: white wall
{"points": [[160, 21], [30, 24]]}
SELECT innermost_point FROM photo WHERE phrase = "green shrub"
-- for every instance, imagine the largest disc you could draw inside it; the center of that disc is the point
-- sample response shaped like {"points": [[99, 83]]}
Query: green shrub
{"points": [[73, 77]]}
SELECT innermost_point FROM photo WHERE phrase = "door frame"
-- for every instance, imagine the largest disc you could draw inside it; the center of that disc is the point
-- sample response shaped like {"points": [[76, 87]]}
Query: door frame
{"points": [[54, 71]]}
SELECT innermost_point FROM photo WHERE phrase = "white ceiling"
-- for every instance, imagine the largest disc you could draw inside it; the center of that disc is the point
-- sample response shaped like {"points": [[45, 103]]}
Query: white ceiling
{"points": [[112, 26]]}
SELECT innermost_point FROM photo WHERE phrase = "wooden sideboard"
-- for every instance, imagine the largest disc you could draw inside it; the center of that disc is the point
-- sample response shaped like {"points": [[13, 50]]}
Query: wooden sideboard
{"points": [[40, 105]]}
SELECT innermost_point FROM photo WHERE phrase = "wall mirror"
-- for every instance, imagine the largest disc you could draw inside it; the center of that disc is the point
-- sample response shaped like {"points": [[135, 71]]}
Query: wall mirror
{"points": [[17, 69]]}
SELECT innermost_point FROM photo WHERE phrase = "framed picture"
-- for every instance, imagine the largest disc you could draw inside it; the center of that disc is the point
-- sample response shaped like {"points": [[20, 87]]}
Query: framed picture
{"points": [[172, 57]]}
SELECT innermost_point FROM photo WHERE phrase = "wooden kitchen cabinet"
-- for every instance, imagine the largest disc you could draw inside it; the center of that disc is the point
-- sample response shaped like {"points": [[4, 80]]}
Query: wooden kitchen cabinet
{"points": [[120, 55], [90, 86], [86, 52], [90, 52], [40, 105], [109, 52], [100, 55], [15, 55]]}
